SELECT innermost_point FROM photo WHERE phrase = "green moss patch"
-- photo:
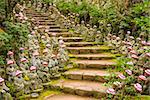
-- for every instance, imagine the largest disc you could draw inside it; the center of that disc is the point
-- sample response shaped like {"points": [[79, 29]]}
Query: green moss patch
{"points": [[45, 94]]}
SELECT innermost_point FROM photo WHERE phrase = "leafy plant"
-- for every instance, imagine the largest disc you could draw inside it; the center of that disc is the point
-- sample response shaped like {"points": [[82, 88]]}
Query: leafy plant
{"points": [[121, 15], [14, 37]]}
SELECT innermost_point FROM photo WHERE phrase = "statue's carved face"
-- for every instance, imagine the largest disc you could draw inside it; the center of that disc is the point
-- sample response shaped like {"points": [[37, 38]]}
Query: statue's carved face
{"points": [[11, 67], [19, 76], [33, 71], [1, 83]]}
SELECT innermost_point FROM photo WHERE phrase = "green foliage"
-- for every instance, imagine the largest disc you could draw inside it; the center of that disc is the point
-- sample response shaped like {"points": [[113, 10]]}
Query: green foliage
{"points": [[73, 7], [48, 1], [11, 87], [122, 63], [134, 18], [2, 9], [18, 33], [141, 16], [4, 41], [1, 60], [138, 19], [14, 37]]}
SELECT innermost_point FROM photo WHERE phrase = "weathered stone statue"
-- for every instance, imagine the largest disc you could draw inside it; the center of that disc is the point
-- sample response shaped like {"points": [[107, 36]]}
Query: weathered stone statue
{"points": [[55, 67], [136, 46], [4, 91], [43, 72], [83, 29], [127, 36], [62, 57], [46, 56], [49, 47], [11, 57], [44, 39], [52, 63], [24, 65], [131, 40], [35, 81], [19, 83], [118, 42], [108, 39], [10, 70], [142, 48], [77, 29], [36, 60], [123, 48], [21, 53], [54, 40], [113, 40], [98, 37]]}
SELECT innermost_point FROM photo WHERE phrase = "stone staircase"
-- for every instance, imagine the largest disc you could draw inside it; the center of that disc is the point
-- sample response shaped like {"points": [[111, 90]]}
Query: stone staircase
{"points": [[89, 60]]}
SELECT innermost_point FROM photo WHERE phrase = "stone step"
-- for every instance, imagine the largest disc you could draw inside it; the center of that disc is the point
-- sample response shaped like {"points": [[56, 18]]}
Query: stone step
{"points": [[93, 56], [63, 34], [63, 96], [87, 74], [79, 44], [43, 27], [28, 10], [46, 25], [41, 18], [54, 27], [97, 64], [81, 88], [32, 13], [39, 15], [46, 21], [58, 30], [88, 49], [72, 39]]}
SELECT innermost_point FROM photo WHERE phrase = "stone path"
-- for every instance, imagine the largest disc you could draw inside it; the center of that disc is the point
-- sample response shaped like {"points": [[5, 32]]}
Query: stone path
{"points": [[90, 60], [67, 97]]}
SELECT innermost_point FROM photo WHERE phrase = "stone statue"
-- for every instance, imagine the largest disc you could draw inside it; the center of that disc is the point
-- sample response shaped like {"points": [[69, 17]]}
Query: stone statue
{"points": [[35, 81], [36, 60], [24, 65], [136, 46], [43, 72], [10, 70], [19, 83], [4, 91]]}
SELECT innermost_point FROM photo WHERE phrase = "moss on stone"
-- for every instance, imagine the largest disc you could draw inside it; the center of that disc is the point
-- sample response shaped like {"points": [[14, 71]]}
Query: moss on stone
{"points": [[1, 30], [45, 94], [104, 47]]}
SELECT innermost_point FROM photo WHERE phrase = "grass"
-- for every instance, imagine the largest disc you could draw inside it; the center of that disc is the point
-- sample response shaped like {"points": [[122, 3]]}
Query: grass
{"points": [[104, 47], [45, 94], [106, 53], [142, 97], [1, 30], [57, 81]]}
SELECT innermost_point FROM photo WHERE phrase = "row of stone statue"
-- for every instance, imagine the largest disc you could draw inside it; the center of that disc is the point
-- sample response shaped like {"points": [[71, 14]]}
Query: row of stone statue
{"points": [[40, 59]]}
